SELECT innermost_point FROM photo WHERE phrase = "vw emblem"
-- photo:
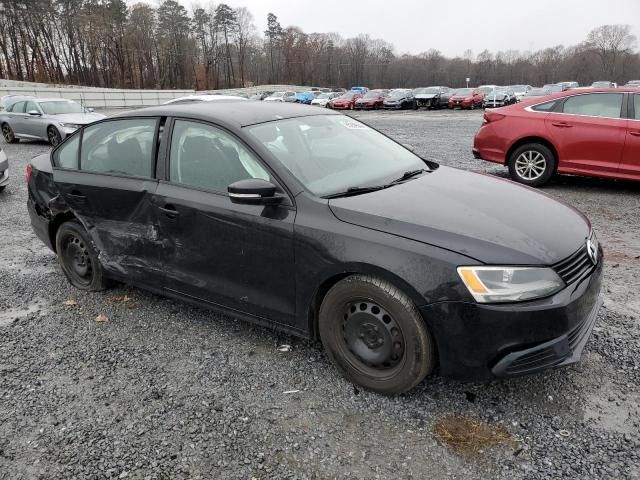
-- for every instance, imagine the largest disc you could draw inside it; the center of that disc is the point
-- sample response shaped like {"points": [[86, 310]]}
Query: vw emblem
{"points": [[592, 248]]}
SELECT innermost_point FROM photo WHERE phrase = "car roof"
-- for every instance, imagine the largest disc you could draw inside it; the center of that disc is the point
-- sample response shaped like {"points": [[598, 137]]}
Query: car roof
{"points": [[231, 112]]}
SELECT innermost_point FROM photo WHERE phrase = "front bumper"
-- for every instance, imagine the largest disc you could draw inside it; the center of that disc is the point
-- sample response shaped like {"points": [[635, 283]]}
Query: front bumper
{"points": [[393, 106], [4, 169], [494, 103], [488, 341]]}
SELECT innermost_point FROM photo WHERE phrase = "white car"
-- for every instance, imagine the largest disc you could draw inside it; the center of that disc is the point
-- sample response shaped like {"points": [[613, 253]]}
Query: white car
{"points": [[323, 99], [520, 91], [204, 98], [4, 170], [281, 97]]}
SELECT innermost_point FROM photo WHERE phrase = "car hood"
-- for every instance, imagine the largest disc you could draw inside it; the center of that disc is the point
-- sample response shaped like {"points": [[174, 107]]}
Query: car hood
{"points": [[492, 220], [394, 99], [79, 118], [460, 97], [426, 96]]}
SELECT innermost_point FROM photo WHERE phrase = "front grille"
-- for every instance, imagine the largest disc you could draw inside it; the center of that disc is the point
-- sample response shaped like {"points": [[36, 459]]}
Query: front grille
{"points": [[550, 356], [575, 266]]}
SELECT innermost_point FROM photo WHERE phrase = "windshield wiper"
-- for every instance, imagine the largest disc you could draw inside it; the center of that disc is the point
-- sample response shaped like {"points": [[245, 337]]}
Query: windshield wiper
{"points": [[352, 191], [408, 175]]}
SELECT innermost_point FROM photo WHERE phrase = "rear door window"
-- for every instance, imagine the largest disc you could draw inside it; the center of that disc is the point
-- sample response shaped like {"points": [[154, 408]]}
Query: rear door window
{"points": [[595, 105], [120, 147], [636, 107]]}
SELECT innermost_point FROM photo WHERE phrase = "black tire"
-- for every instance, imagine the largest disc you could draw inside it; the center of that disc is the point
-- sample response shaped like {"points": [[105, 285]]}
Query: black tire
{"points": [[532, 164], [375, 335], [54, 136], [7, 133], [78, 257]]}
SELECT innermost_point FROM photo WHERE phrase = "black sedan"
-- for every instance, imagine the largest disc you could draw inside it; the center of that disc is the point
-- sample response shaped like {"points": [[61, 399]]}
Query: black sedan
{"points": [[312, 222]]}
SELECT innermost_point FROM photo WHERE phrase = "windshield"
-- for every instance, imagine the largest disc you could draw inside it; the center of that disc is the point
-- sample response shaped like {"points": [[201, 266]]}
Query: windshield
{"points": [[324, 95], [537, 92], [399, 93], [348, 95], [463, 91], [278, 94], [518, 88], [427, 90], [486, 90], [601, 84], [57, 107], [372, 95], [330, 153]]}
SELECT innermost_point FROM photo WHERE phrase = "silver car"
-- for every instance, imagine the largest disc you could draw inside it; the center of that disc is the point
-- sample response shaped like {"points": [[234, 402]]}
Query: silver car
{"points": [[50, 119]]}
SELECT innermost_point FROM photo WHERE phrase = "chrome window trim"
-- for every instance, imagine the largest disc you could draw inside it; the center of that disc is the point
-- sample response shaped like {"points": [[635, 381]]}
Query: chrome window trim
{"points": [[530, 107]]}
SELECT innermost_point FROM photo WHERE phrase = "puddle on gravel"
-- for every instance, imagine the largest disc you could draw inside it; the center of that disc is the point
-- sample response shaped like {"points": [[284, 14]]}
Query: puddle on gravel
{"points": [[470, 436], [10, 315]]}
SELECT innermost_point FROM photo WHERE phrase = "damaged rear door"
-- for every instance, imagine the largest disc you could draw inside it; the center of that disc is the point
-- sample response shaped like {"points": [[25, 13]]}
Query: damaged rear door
{"points": [[108, 188]]}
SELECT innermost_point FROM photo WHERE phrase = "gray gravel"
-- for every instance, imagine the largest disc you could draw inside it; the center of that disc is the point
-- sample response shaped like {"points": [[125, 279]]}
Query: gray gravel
{"points": [[165, 390]]}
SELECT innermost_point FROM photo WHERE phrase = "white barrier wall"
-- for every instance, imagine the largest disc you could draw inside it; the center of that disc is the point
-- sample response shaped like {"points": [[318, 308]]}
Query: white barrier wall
{"points": [[119, 98]]}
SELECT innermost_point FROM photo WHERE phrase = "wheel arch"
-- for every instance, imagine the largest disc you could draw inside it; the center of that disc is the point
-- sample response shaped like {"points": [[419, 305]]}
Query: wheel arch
{"points": [[55, 223], [532, 139], [330, 279]]}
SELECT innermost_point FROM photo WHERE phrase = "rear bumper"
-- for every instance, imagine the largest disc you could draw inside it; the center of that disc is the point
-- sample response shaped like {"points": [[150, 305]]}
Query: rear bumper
{"points": [[487, 145], [484, 342], [39, 223]]}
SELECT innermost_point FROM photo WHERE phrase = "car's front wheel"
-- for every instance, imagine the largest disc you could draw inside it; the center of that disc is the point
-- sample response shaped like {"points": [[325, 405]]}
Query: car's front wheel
{"points": [[532, 164], [375, 335], [78, 258], [7, 133], [54, 136]]}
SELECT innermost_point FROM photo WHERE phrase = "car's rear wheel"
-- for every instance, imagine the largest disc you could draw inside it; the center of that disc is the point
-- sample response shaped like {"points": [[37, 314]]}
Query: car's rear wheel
{"points": [[7, 133], [54, 136], [532, 164], [375, 335], [78, 258]]}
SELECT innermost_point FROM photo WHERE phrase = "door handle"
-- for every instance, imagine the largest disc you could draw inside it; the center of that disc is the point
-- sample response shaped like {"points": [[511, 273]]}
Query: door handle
{"points": [[635, 133], [77, 195], [170, 211], [561, 125]]}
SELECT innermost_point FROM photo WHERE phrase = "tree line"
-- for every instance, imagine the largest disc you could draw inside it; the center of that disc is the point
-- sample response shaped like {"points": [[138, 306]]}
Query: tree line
{"points": [[107, 43]]}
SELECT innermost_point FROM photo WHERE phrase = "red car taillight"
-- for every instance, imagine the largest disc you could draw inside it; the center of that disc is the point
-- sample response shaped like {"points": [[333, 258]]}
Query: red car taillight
{"points": [[28, 175], [492, 117]]}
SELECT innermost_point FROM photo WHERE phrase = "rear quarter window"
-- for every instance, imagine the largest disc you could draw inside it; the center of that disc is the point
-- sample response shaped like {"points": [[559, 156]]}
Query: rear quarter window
{"points": [[545, 107], [66, 156]]}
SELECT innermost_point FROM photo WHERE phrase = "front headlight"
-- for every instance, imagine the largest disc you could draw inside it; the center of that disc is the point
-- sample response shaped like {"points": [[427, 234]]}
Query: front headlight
{"points": [[510, 284], [71, 125]]}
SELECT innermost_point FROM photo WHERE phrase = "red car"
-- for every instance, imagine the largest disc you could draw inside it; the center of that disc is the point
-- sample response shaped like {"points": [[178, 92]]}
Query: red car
{"points": [[346, 101], [470, 98], [592, 132], [372, 100]]}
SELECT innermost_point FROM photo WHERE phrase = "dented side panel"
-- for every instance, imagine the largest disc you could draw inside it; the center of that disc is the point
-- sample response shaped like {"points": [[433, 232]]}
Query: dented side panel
{"points": [[120, 218]]}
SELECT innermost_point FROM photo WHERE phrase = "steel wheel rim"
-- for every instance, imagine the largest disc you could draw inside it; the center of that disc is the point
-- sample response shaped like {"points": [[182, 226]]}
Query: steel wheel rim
{"points": [[53, 137], [77, 260], [7, 133], [531, 165], [373, 339]]}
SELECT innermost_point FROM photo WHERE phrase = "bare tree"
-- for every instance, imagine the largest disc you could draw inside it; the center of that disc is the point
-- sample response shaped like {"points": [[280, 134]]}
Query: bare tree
{"points": [[611, 42]]}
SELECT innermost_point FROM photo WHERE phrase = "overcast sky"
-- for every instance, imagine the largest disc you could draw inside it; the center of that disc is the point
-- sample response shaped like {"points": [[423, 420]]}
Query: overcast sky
{"points": [[414, 26]]}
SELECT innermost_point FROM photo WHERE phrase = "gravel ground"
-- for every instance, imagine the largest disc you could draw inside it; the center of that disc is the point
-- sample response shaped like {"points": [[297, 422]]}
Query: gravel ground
{"points": [[165, 390]]}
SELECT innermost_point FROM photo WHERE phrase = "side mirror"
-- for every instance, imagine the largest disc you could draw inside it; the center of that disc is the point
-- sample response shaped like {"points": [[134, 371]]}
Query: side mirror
{"points": [[34, 113], [254, 191], [91, 109]]}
